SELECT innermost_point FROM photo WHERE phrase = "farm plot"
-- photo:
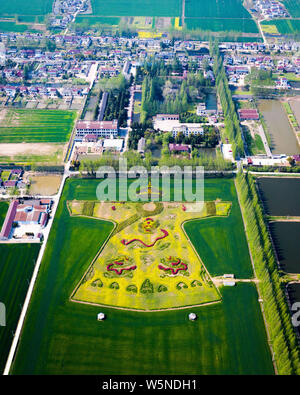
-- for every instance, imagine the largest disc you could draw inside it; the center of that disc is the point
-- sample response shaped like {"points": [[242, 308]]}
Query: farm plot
{"points": [[65, 337], [37, 126], [16, 266], [283, 26], [12, 27], [293, 7], [222, 24], [232, 9], [137, 7]]}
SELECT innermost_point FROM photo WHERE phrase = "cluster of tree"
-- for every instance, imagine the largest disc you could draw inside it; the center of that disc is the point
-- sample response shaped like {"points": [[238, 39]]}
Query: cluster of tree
{"points": [[232, 125], [281, 331], [260, 77], [138, 131], [108, 159], [116, 103], [209, 162], [161, 95], [158, 68], [187, 117], [209, 138]]}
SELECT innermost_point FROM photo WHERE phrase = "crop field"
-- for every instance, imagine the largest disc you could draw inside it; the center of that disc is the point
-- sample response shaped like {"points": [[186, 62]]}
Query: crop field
{"points": [[16, 267], [293, 7], [3, 211], [25, 7], [284, 26], [36, 126], [216, 9], [65, 337], [137, 7], [222, 24]]}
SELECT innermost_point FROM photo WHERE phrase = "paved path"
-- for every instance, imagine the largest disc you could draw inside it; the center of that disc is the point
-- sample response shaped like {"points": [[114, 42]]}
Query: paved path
{"points": [[265, 141]]}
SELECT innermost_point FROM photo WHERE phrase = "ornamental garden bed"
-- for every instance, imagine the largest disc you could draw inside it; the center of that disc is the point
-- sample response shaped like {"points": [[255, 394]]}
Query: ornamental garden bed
{"points": [[148, 263]]}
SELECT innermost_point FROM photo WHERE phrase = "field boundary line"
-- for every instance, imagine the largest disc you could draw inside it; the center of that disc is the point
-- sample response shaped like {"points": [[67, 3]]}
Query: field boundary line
{"points": [[147, 311]]}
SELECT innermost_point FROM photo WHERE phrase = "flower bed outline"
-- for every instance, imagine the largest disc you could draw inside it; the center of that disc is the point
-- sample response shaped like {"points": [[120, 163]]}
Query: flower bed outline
{"points": [[165, 232], [176, 263], [119, 271]]}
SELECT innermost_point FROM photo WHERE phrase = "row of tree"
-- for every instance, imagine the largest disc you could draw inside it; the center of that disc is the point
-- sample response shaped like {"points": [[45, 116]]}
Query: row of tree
{"points": [[231, 121], [281, 331]]}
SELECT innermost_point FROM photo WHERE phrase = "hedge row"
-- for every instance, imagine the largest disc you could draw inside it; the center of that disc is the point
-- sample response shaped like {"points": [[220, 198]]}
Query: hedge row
{"points": [[231, 121], [277, 314]]}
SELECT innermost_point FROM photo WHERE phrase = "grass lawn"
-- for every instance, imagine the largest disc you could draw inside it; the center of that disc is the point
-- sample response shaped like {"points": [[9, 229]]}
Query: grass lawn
{"points": [[64, 337], [36, 126], [16, 267]]}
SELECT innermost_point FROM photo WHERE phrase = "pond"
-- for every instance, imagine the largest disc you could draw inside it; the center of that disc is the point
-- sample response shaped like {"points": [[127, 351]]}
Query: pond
{"points": [[283, 138], [280, 196], [285, 236]]}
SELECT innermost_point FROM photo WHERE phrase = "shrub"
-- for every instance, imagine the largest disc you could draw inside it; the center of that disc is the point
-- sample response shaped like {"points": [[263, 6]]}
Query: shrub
{"points": [[181, 285], [211, 208], [114, 285], [97, 283], [147, 287], [132, 288], [162, 288]]}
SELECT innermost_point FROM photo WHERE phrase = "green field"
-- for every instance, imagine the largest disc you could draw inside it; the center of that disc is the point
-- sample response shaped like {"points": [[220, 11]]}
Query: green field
{"points": [[285, 26], [25, 7], [137, 7], [94, 20], [36, 126], [64, 337], [16, 267], [216, 9], [222, 24], [3, 211], [293, 7]]}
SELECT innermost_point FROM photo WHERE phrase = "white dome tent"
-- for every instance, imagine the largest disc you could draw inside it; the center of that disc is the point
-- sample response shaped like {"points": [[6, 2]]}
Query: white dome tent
{"points": [[101, 317], [192, 316]]}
